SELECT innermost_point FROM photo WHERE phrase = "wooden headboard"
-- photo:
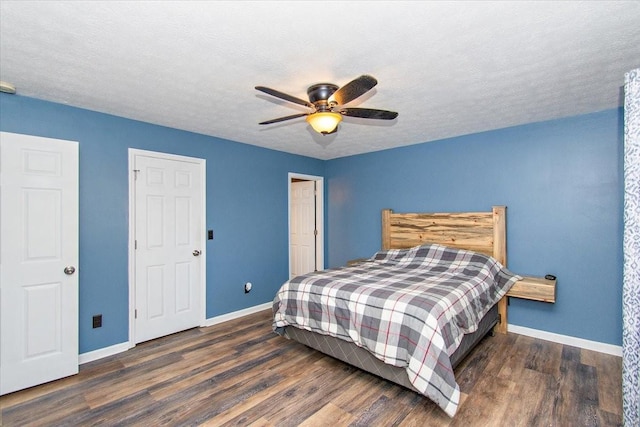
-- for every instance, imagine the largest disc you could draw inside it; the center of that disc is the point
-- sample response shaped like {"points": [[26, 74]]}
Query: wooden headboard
{"points": [[483, 232]]}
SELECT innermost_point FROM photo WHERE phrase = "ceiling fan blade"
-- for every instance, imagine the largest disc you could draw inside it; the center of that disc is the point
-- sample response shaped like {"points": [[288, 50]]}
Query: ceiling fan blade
{"points": [[354, 89], [284, 96], [369, 113], [282, 119]]}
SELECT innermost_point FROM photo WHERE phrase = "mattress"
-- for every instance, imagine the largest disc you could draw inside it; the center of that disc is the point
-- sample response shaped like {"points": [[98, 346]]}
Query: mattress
{"points": [[409, 308], [363, 359]]}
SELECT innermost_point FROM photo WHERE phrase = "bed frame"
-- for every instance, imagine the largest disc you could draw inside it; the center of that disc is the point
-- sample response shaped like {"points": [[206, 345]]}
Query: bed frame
{"points": [[483, 232]]}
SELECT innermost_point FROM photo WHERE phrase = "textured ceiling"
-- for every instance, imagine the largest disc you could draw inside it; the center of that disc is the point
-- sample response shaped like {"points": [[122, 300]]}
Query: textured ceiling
{"points": [[448, 68]]}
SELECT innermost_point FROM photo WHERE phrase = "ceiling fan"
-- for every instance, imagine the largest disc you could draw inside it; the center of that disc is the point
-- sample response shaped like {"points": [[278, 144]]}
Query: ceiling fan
{"points": [[327, 101]]}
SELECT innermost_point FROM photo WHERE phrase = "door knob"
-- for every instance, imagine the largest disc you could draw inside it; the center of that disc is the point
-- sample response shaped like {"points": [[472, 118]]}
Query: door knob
{"points": [[196, 252], [69, 270]]}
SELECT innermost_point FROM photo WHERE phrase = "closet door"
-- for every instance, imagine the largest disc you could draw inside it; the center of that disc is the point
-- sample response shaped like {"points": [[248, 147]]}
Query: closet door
{"points": [[38, 260], [169, 237]]}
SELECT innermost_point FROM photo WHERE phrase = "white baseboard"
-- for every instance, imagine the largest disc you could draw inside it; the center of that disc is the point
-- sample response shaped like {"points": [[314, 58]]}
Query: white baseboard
{"points": [[119, 348], [103, 352], [535, 333], [236, 314], [600, 347]]}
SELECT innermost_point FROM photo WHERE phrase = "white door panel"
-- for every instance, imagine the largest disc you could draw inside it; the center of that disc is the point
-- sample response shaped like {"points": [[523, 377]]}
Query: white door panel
{"points": [[302, 228], [168, 229], [39, 239]]}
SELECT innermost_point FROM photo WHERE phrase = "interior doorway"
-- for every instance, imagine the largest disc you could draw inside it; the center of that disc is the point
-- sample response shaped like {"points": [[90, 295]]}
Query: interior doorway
{"points": [[306, 223]]}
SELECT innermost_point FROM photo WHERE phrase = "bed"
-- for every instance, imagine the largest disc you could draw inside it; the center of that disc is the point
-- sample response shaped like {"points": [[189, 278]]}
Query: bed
{"points": [[377, 316]]}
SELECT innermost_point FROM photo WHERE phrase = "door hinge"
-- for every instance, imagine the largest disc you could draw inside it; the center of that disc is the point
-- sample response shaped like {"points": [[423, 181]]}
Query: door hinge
{"points": [[135, 244], [135, 174], [135, 313], [315, 232]]}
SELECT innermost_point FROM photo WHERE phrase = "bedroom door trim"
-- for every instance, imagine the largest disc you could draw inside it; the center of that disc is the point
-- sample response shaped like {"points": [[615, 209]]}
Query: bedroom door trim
{"points": [[133, 152], [319, 193]]}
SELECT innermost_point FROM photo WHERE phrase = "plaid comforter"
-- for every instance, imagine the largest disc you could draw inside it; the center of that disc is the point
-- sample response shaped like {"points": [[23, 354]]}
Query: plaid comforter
{"points": [[408, 307]]}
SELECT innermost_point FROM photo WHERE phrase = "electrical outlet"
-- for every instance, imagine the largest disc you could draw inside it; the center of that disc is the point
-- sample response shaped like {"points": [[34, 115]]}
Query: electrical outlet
{"points": [[247, 287], [97, 321]]}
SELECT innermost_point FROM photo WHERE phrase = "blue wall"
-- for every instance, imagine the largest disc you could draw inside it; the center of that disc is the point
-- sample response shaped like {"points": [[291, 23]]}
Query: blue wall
{"points": [[561, 182], [246, 208]]}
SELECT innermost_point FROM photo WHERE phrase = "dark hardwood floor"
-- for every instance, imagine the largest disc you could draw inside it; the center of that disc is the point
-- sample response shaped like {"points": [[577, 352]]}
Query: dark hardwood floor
{"points": [[241, 373]]}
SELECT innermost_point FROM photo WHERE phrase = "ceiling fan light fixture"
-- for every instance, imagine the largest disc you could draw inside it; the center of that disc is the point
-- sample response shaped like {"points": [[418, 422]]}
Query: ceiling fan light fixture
{"points": [[324, 122], [7, 87]]}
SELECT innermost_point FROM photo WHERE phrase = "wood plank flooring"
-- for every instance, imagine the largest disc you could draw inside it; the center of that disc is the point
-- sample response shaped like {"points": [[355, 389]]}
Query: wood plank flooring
{"points": [[241, 373]]}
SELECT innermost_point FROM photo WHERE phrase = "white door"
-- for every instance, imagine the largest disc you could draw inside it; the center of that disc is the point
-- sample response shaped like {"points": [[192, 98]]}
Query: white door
{"points": [[169, 240], [38, 260], [303, 227]]}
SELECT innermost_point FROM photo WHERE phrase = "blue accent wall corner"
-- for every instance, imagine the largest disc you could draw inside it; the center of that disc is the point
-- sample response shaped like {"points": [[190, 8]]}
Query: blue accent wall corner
{"points": [[561, 181]]}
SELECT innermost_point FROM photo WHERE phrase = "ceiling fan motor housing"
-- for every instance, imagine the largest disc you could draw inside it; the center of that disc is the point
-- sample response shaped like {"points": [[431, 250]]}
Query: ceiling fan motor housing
{"points": [[320, 93]]}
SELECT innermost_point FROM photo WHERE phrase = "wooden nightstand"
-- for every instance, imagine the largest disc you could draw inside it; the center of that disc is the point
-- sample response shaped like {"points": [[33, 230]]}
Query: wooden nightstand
{"points": [[531, 288], [534, 288], [354, 262]]}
